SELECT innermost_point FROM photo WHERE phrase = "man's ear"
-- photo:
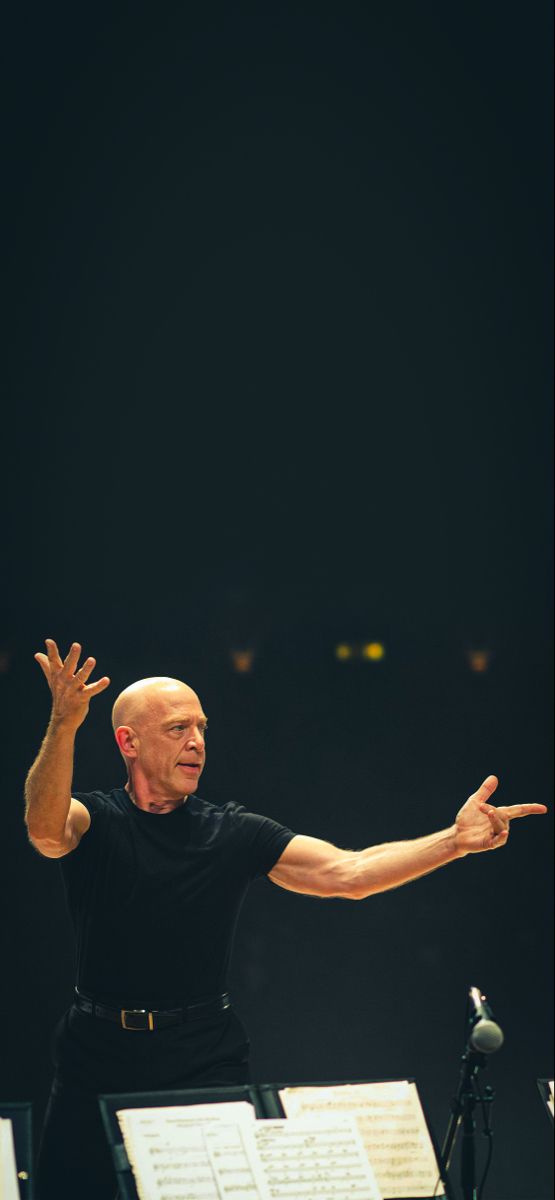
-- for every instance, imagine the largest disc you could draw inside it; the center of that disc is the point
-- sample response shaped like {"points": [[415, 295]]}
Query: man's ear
{"points": [[127, 741]]}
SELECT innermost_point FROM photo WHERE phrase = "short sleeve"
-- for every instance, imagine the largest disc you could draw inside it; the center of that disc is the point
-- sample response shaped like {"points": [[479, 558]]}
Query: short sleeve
{"points": [[262, 841], [94, 802]]}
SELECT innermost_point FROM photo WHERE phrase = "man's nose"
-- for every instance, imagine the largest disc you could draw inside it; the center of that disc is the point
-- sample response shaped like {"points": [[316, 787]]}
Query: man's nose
{"points": [[196, 739]]}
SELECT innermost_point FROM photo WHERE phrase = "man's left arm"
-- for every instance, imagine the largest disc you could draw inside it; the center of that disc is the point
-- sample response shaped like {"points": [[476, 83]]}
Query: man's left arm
{"points": [[317, 868]]}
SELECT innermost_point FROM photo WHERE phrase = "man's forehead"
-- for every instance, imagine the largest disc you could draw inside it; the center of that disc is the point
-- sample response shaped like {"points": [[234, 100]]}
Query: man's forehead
{"points": [[147, 699], [186, 702]]}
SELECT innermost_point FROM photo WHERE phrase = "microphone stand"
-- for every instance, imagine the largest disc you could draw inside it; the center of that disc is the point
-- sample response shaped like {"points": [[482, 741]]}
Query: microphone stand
{"points": [[462, 1112]]}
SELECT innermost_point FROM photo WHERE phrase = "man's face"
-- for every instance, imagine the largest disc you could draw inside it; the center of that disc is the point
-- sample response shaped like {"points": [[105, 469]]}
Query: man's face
{"points": [[170, 743]]}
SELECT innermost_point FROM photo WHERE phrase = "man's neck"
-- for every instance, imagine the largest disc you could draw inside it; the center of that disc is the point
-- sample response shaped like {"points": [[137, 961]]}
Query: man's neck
{"points": [[152, 804]]}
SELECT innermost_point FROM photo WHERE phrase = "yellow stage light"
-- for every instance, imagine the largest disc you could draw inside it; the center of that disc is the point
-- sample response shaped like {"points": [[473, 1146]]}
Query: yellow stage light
{"points": [[373, 651], [479, 660], [343, 651]]}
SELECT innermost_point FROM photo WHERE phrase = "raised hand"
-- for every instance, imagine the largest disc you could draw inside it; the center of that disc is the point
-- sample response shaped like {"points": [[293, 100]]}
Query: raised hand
{"points": [[480, 826], [71, 694]]}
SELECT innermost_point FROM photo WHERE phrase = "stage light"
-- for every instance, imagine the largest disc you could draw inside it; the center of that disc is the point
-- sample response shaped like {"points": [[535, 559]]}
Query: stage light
{"points": [[5, 660], [373, 651], [479, 660], [343, 651], [242, 661]]}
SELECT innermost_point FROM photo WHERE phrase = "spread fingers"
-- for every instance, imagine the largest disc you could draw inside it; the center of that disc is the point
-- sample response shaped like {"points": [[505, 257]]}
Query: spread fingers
{"points": [[83, 673], [94, 688], [72, 659]]}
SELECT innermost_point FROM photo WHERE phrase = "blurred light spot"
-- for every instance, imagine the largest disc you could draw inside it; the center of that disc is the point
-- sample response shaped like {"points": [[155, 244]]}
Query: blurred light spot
{"points": [[242, 661], [479, 660], [343, 651], [373, 651], [5, 660]]}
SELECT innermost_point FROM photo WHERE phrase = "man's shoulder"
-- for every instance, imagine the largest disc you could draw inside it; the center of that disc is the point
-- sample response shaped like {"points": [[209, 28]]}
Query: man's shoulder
{"points": [[98, 802], [227, 808], [234, 814], [198, 806], [257, 840]]}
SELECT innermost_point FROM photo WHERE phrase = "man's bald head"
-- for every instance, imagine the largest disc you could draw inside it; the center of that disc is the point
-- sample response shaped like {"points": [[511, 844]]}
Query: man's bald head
{"points": [[160, 728], [141, 700]]}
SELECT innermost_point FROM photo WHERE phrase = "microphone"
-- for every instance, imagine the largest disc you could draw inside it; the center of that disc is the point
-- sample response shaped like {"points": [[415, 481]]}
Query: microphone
{"points": [[486, 1035]]}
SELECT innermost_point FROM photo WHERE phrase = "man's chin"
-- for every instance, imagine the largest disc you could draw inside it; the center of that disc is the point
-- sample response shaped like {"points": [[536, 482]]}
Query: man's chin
{"points": [[188, 777]]}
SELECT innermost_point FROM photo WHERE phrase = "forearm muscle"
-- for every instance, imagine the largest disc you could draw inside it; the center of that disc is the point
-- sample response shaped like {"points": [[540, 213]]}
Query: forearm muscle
{"points": [[48, 784], [392, 864]]}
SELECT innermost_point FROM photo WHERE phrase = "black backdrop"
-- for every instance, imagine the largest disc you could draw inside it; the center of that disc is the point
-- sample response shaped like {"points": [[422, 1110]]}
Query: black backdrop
{"points": [[278, 356]]}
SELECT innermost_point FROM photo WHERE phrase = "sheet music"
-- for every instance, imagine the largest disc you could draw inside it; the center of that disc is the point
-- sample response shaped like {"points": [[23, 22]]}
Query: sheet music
{"points": [[550, 1095], [235, 1164], [9, 1187], [171, 1150], [313, 1157], [215, 1152], [392, 1126]]}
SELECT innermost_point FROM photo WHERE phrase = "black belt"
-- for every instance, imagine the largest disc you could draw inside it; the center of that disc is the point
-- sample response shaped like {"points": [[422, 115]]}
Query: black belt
{"points": [[143, 1019]]}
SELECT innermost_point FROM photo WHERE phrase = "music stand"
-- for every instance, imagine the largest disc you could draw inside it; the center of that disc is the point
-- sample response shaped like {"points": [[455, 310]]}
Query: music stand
{"points": [[545, 1087], [109, 1105], [20, 1113], [271, 1103]]}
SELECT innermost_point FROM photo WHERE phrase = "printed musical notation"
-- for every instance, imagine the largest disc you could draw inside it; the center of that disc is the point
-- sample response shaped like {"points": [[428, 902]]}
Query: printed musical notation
{"points": [[202, 1153], [346, 1142], [315, 1156], [392, 1126], [171, 1150]]}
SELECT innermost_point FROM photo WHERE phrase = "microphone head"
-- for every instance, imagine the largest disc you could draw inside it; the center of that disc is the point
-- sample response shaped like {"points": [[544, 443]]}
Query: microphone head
{"points": [[486, 1037]]}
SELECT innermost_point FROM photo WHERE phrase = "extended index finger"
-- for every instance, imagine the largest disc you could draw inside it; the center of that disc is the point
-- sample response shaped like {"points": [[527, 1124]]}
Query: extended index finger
{"points": [[510, 811], [523, 810]]}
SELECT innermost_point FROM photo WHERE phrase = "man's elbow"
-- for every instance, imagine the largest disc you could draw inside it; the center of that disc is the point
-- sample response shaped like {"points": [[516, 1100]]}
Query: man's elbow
{"points": [[48, 849], [356, 891], [48, 846]]}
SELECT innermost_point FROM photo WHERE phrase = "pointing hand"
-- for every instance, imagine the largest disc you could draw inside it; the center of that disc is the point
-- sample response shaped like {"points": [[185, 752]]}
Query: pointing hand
{"points": [[480, 826]]}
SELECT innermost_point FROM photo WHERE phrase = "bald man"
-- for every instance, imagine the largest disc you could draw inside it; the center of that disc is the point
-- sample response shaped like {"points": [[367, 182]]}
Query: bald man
{"points": [[155, 878]]}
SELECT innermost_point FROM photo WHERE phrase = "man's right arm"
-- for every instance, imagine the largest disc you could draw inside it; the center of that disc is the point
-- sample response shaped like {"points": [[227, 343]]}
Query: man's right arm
{"points": [[55, 821]]}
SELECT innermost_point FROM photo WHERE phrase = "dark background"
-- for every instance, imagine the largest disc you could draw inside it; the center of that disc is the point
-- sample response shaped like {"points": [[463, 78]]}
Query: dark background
{"points": [[278, 375]]}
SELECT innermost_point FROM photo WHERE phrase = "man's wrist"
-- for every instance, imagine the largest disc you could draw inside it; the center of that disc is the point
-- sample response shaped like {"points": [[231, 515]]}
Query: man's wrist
{"points": [[61, 727], [459, 848]]}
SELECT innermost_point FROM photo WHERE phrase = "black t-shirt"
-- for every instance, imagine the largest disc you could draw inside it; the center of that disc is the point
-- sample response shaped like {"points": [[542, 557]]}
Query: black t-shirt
{"points": [[154, 897]]}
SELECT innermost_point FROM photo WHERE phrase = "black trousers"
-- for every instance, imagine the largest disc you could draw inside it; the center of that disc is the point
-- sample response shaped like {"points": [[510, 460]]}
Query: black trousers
{"points": [[93, 1056]]}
